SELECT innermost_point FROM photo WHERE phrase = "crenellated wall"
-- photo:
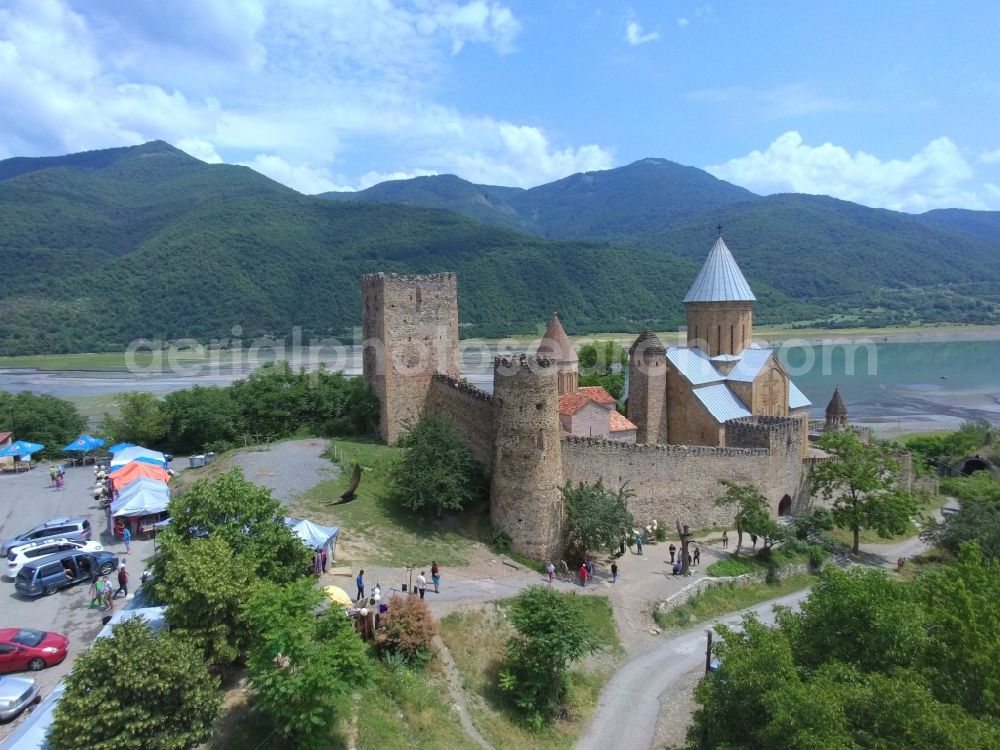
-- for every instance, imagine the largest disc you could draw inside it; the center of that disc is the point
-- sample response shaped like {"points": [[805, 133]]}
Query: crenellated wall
{"points": [[468, 409], [678, 482]]}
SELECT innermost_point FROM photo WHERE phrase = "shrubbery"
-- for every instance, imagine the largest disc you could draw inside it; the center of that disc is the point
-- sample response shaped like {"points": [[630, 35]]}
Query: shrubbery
{"points": [[407, 629]]}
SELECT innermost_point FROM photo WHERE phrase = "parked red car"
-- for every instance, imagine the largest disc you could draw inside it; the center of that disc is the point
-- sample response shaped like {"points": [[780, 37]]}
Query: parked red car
{"points": [[25, 648]]}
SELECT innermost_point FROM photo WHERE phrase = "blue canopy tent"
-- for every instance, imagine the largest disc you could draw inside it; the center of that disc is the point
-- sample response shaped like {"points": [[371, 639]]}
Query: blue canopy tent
{"points": [[84, 443], [118, 447], [313, 535], [21, 448], [138, 453]]}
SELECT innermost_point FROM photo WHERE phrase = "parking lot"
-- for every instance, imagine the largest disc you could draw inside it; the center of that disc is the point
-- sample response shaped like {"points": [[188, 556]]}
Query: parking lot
{"points": [[26, 500]]}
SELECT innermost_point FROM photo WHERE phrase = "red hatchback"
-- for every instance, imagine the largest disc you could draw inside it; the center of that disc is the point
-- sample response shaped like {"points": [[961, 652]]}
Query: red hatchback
{"points": [[25, 648]]}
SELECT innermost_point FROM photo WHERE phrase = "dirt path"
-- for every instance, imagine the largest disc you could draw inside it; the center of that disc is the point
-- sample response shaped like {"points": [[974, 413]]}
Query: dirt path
{"points": [[288, 468], [460, 700]]}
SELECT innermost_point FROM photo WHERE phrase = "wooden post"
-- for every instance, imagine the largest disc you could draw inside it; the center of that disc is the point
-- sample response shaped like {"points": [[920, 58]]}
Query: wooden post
{"points": [[708, 652]]}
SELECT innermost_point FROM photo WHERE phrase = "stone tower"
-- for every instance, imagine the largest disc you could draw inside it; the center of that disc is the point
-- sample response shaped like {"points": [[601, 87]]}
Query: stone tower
{"points": [[836, 412], [557, 347], [525, 501], [719, 305], [647, 388], [410, 329]]}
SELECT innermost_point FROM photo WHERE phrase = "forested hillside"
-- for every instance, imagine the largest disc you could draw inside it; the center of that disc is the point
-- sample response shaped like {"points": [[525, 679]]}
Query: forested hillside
{"points": [[104, 247]]}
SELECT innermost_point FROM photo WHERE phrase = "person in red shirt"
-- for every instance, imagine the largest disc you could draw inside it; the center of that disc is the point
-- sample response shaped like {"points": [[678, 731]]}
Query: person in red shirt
{"points": [[122, 582], [584, 575]]}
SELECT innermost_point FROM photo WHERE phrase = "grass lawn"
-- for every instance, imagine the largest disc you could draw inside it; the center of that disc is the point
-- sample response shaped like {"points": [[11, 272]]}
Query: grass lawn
{"points": [[719, 600], [476, 640], [736, 565], [389, 535]]}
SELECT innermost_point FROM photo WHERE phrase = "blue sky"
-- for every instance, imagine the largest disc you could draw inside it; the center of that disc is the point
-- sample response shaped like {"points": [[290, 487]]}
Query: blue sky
{"points": [[886, 103]]}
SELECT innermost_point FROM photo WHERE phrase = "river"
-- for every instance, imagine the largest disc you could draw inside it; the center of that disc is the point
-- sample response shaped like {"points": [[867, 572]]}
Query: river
{"points": [[893, 387]]}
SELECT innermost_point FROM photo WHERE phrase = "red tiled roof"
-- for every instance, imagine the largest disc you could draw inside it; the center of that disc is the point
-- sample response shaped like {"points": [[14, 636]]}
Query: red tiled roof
{"points": [[571, 403], [4, 436], [620, 423]]}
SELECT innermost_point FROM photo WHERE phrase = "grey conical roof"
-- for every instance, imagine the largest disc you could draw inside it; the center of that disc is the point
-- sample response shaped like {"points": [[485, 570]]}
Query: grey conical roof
{"points": [[836, 407], [720, 279], [649, 341], [556, 344]]}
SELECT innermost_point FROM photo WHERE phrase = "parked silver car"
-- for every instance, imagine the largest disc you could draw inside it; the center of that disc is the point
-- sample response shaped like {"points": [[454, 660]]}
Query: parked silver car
{"points": [[77, 529], [16, 694]]}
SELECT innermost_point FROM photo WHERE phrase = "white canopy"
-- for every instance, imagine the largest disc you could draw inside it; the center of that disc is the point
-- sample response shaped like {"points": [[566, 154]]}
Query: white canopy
{"points": [[138, 453], [141, 497], [312, 534]]}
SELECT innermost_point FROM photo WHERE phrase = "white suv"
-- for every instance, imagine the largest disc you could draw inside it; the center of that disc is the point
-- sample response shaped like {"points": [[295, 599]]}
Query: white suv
{"points": [[18, 556]]}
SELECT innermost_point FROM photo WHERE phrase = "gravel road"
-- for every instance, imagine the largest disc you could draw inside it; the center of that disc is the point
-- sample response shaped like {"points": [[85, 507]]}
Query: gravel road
{"points": [[288, 468]]}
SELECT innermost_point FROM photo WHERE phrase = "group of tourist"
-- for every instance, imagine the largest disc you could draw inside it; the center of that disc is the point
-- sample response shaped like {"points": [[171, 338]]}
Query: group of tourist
{"points": [[57, 473], [101, 590]]}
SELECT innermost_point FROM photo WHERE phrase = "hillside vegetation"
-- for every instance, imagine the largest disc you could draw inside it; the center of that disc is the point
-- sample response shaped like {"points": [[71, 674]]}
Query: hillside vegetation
{"points": [[105, 247]]}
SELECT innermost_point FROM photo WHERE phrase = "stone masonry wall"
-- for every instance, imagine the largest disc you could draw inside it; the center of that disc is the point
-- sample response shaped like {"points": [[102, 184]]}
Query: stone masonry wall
{"points": [[410, 329], [468, 409]]}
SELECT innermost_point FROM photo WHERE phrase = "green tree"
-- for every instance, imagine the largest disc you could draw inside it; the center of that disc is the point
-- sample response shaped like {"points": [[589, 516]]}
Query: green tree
{"points": [[137, 689], [750, 514], [50, 421], [303, 667], [604, 365], [204, 584], [140, 420], [246, 517], [198, 417], [552, 633], [596, 517], [408, 629], [860, 481], [976, 520], [436, 471]]}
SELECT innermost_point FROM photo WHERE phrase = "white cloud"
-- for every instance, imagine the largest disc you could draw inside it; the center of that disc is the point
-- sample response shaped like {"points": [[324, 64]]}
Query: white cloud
{"points": [[683, 22], [937, 176], [294, 88], [634, 34], [302, 177], [990, 157]]}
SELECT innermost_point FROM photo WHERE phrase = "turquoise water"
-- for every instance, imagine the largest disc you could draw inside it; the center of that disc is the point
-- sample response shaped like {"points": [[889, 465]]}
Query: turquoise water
{"points": [[884, 381]]}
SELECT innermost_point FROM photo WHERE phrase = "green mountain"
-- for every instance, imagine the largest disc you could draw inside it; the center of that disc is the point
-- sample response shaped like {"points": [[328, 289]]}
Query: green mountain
{"points": [[105, 247], [148, 242]]}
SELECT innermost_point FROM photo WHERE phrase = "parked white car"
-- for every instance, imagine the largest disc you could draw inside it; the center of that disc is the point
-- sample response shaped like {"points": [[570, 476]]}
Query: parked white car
{"points": [[18, 556]]}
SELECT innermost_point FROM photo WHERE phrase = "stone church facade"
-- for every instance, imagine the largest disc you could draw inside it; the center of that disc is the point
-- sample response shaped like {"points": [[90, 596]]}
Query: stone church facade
{"points": [[717, 409]]}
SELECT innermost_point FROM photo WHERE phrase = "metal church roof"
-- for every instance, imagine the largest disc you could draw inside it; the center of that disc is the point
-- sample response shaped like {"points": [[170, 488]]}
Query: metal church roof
{"points": [[694, 365], [721, 402], [796, 398], [720, 279]]}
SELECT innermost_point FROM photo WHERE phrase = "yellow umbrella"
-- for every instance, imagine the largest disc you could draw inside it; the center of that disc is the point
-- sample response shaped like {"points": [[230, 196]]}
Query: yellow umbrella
{"points": [[338, 596]]}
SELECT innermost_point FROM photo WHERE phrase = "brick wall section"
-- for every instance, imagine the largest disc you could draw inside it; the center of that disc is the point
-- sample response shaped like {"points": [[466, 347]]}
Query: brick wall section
{"points": [[468, 409], [647, 394], [525, 501], [674, 482], [719, 327], [688, 421], [410, 329]]}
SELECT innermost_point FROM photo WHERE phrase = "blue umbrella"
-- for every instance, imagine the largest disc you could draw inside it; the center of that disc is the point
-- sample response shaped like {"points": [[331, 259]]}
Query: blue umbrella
{"points": [[84, 443], [21, 448], [117, 447]]}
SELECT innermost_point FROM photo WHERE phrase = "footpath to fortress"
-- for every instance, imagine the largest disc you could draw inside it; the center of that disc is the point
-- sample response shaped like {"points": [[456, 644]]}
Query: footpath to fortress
{"points": [[719, 408]]}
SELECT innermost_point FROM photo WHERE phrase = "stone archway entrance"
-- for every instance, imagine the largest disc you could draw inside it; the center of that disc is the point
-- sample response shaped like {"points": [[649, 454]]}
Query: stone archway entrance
{"points": [[785, 506], [969, 465]]}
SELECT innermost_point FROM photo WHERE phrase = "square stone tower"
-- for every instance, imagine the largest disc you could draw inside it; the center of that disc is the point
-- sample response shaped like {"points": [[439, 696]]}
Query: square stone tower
{"points": [[410, 330]]}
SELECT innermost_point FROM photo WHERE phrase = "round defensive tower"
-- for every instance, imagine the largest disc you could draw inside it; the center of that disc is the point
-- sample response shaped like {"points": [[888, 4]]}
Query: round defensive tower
{"points": [[525, 501]]}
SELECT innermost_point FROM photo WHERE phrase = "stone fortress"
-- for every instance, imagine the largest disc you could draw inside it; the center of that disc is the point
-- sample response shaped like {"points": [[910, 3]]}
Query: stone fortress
{"points": [[719, 408]]}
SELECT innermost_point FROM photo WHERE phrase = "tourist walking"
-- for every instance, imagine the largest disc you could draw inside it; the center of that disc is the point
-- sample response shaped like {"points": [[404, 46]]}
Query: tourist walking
{"points": [[673, 551], [551, 570], [361, 585], [725, 539], [753, 538], [421, 584], [697, 555], [122, 582], [614, 572], [95, 592], [584, 575], [106, 593], [127, 538], [436, 576], [638, 544]]}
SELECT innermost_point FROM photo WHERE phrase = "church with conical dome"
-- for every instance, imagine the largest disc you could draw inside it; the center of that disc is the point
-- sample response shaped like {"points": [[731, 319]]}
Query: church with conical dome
{"points": [[686, 395]]}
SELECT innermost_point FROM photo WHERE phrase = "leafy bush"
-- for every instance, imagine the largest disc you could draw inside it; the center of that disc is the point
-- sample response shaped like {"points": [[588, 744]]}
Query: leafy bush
{"points": [[43, 419], [595, 516], [137, 683], [500, 542], [552, 633], [436, 470], [407, 629], [661, 532], [817, 556]]}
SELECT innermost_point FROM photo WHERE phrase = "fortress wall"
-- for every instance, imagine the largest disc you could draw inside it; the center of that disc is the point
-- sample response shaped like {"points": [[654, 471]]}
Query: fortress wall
{"points": [[671, 482], [469, 409]]}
